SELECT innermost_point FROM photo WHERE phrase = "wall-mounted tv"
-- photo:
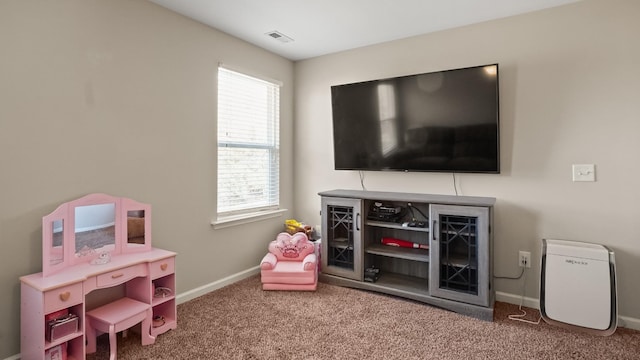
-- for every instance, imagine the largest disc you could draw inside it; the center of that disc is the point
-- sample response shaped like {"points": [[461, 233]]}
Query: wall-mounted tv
{"points": [[445, 121]]}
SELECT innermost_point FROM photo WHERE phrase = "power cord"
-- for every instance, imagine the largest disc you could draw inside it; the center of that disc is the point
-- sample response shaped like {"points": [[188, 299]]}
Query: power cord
{"points": [[521, 317], [362, 180], [413, 215], [411, 208], [509, 277], [455, 187]]}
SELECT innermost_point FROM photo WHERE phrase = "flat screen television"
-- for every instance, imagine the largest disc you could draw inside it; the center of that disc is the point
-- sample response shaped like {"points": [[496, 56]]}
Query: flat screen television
{"points": [[444, 121]]}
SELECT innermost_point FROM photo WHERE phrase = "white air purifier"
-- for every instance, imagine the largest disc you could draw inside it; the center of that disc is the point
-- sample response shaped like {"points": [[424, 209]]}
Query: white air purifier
{"points": [[578, 286]]}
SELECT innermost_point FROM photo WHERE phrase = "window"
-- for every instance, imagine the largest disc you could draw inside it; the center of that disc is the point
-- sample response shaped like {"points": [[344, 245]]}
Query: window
{"points": [[248, 144]]}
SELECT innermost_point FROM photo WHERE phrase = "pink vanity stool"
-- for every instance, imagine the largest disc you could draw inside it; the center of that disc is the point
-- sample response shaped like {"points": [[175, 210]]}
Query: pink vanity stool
{"points": [[118, 316], [291, 264]]}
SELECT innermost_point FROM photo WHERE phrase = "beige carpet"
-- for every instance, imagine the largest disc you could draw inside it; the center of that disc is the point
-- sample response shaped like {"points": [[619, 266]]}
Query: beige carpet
{"points": [[241, 321]]}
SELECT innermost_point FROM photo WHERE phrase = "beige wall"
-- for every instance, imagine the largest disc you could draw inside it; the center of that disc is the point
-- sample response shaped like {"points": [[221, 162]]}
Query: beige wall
{"points": [[569, 80], [119, 97]]}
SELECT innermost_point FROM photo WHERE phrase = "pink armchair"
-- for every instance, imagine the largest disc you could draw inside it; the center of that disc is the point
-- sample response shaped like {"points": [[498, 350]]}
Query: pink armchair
{"points": [[290, 264]]}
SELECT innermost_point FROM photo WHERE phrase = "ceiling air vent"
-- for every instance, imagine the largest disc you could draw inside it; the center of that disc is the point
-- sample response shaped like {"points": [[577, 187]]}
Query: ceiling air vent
{"points": [[279, 36]]}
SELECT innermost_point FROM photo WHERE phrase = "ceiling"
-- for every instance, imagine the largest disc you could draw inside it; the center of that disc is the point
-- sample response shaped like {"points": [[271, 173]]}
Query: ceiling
{"points": [[319, 27]]}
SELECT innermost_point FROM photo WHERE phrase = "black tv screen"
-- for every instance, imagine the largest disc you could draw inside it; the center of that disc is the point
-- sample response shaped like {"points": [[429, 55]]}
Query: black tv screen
{"points": [[445, 121]]}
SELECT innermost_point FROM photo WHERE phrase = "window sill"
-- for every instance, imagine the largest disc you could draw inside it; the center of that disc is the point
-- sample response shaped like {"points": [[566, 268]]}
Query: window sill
{"points": [[230, 221]]}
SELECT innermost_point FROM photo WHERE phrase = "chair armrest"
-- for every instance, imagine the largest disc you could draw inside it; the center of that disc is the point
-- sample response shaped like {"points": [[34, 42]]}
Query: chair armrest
{"points": [[309, 262], [268, 262]]}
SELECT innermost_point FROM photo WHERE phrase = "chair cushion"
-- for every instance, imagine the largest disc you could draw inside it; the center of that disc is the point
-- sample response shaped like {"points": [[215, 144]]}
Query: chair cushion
{"points": [[291, 247], [289, 272]]}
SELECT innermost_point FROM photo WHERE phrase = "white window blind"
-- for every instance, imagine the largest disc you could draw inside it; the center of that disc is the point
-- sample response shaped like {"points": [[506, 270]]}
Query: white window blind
{"points": [[248, 143]]}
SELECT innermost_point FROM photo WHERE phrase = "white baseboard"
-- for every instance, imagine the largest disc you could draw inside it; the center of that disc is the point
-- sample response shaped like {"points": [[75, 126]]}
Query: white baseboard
{"points": [[516, 299], [629, 322], [623, 321], [204, 289]]}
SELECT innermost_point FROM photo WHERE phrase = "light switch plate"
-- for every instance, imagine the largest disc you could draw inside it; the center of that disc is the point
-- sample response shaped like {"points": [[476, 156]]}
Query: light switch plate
{"points": [[584, 172]]}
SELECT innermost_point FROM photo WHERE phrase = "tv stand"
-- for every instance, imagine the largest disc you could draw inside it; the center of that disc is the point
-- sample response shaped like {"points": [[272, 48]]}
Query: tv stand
{"points": [[434, 249]]}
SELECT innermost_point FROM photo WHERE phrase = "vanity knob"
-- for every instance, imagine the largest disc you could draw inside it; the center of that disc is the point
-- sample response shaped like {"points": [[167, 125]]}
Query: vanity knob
{"points": [[163, 267], [65, 296]]}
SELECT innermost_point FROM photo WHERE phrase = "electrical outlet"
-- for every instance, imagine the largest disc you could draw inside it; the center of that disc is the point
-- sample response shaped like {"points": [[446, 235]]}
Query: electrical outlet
{"points": [[584, 172], [524, 259]]}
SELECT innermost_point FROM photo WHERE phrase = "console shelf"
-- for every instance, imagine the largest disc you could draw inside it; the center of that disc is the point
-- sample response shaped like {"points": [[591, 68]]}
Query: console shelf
{"points": [[391, 225], [444, 263], [398, 252], [399, 282]]}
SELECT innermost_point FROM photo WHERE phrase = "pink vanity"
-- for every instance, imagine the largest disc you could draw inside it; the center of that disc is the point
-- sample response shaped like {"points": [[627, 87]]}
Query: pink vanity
{"points": [[100, 275]]}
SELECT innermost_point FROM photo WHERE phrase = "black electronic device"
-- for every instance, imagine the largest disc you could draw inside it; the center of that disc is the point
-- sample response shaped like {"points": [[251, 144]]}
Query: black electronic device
{"points": [[371, 274], [385, 212], [445, 121]]}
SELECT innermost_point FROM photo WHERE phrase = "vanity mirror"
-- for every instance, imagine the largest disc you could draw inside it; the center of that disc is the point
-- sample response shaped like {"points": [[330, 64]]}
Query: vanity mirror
{"points": [[96, 225], [57, 242], [136, 218], [95, 228]]}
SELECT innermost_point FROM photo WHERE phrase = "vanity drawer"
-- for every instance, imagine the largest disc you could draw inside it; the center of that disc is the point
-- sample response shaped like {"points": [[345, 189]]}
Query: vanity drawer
{"points": [[162, 267], [62, 298], [120, 276]]}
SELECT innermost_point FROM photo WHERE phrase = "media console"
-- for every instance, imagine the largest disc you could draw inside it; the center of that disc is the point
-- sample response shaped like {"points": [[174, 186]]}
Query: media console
{"points": [[434, 249]]}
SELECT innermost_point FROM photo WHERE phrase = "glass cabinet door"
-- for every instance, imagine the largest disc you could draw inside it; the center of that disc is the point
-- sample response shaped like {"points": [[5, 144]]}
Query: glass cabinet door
{"points": [[341, 237], [459, 263]]}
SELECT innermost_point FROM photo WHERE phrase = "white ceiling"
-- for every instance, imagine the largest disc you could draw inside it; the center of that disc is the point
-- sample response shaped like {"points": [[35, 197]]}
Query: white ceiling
{"points": [[321, 27]]}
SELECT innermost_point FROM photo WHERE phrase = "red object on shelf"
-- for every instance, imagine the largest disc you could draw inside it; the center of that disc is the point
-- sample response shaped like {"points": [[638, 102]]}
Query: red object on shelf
{"points": [[403, 243], [56, 315]]}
